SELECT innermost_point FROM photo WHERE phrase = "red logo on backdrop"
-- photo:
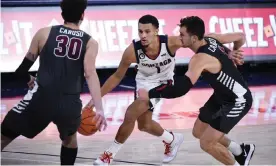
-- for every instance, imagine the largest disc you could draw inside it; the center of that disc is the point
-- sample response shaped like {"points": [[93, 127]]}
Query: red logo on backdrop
{"points": [[115, 29]]}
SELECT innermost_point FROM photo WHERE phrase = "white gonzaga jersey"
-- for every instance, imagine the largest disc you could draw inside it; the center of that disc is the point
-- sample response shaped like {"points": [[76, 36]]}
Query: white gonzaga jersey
{"points": [[156, 70]]}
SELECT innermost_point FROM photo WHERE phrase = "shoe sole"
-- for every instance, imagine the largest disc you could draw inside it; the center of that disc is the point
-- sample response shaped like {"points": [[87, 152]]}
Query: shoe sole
{"points": [[176, 151], [96, 163], [250, 154]]}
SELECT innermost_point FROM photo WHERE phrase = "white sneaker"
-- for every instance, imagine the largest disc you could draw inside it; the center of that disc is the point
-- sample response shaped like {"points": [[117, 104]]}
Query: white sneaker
{"points": [[105, 159], [172, 148]]}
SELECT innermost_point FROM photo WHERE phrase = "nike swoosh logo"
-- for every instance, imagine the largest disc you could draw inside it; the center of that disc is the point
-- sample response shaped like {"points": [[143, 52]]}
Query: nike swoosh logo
{"points": [[245, 154]]}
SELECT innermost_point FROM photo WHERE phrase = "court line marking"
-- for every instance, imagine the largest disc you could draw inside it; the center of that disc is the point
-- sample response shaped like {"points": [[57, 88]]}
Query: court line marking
{"points": [[53, 155], [8, 158]]}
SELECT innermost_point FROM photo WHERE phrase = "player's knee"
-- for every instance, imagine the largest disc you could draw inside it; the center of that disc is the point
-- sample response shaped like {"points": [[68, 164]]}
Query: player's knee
{"points": [[196, 133], [143, 94], [206, 145], [70, 141], [135, 110]]}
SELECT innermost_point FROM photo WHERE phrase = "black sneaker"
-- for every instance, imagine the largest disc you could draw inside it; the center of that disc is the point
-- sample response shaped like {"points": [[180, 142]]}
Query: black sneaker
{"points": [[246, 155]]}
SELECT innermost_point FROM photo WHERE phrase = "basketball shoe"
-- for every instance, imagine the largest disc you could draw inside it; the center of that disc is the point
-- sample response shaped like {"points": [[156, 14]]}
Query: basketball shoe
{"points": [[171, 149], [247, 152]]}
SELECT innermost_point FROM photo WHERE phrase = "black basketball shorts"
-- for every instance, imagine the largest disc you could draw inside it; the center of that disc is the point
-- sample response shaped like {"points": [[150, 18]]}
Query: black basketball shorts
{"points": [[37, 109], [223, 116]]}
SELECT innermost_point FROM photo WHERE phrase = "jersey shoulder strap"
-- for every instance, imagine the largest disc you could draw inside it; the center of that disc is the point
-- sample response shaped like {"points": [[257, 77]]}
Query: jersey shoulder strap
{"points": [[137, 46]]}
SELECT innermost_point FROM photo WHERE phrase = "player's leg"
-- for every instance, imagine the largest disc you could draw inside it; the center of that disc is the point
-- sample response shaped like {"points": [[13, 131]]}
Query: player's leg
{"points": [[171, 140], [221, 123], [69, 150], [233, 147], [8, 134], [210, 108], [135, 110], [68, 119], [209, 142], [23, 119]]}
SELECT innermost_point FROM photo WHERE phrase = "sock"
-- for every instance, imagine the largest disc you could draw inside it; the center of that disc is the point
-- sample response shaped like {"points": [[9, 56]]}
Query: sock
{"points": [[236, 164], [235, 148], [68, 155], [114, 148], [167, 136]]}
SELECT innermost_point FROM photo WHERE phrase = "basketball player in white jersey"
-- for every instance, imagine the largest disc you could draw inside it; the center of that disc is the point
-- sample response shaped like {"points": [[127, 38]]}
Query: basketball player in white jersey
{"points": [[154, 55]]}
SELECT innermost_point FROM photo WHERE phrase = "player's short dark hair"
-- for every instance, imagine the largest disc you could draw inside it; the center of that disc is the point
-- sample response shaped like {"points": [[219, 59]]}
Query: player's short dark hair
{"points": [[194, 25], [72, 10], [149, 19]]}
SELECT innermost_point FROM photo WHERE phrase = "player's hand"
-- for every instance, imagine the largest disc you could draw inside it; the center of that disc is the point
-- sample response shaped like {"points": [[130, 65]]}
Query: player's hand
{"points": [[90, 104], [237, 57], [31, 83], [101, 121]]}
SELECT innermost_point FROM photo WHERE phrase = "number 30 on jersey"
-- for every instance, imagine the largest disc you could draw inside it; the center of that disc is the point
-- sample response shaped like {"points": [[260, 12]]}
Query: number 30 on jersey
{"points": [[70, 47]]}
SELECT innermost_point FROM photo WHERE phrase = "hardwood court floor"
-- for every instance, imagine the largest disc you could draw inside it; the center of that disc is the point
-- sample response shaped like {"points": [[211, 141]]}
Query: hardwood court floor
{"points": [[258, 127]]}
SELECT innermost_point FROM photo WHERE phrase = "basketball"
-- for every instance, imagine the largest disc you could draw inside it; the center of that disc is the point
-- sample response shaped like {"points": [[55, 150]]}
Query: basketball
{"points": [[87, 125]]}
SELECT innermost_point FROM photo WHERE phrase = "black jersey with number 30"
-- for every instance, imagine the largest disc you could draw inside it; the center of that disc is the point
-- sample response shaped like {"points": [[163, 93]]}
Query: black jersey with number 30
{"points": [[61, 60], [228, 83]]}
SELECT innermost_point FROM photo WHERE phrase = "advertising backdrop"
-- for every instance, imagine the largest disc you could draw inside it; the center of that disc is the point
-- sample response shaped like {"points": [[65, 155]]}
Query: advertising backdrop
{"points": [[115, 28]]}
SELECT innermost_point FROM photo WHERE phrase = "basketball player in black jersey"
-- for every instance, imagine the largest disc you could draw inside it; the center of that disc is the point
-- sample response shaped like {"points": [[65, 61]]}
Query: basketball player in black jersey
{"points": [[231, 99], [67, 54], [141, 109]]}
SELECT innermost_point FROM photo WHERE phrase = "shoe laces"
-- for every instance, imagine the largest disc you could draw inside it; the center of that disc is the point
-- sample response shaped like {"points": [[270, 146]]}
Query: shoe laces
{"points": [[106, 157], [168, 148]]}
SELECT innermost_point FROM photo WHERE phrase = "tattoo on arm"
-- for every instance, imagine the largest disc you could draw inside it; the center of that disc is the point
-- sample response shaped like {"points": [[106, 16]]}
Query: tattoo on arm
{"points": [[31, 56]]}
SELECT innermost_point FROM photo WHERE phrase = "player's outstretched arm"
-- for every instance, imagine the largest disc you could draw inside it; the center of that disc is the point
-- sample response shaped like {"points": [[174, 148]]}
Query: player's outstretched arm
{"points": [[182, 86], [91, 73], [238, 38], [93, 81], [174, 43], [29, 59], [127, 58]]}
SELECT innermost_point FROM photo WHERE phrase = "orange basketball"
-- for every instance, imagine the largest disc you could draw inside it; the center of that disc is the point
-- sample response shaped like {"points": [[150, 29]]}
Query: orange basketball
{"points": [[87, 125]]}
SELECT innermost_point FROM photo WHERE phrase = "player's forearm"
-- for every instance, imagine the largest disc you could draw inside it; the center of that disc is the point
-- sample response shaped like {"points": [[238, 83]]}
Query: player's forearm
{"points": [[238, 44], [22, 71], [110, 84], [94, 88]]}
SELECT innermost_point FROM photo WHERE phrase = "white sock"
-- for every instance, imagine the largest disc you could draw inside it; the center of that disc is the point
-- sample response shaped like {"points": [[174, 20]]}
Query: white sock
{"points": [[235, 148], [167, 136], [236, 164], [114, 148]]}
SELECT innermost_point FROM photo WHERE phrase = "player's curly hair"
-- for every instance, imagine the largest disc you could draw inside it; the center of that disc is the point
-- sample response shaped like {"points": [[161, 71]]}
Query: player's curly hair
{"points": [[194, 25], [72, 10], [149, 19]]}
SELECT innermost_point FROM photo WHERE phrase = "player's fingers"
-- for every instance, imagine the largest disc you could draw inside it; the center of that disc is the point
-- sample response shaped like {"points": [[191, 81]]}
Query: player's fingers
{"points": [[105, 125], [239, 62], [101, 125], [237, 56], [99, 121], [96, 117], [239, 50]]}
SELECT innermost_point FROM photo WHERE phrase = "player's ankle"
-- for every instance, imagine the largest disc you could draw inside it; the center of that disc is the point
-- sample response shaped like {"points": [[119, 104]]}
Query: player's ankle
{"points": [[167, 137], [235, 148], [114, 148]]}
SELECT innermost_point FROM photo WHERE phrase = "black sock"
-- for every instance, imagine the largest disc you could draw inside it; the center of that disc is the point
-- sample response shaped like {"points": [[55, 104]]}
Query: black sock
{"points": [[68, 155]]}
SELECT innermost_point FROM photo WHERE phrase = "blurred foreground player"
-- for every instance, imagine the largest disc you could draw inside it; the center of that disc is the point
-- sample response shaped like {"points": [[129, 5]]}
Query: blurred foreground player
{"points": [[66, 55], [155, 58], [231, 99]]}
